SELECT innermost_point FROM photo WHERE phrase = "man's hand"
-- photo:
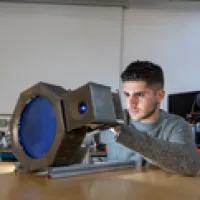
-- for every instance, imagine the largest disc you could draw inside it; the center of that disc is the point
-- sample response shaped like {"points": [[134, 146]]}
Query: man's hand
{"points": [[115, 129]]}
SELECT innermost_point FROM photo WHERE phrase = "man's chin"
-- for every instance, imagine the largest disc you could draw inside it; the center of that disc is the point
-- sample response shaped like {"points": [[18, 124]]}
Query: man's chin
{"points": [[136, 117]]}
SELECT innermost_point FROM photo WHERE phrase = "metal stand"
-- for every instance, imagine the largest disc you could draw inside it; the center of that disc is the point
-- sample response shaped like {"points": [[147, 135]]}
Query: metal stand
{"points": [[81, 169], [77, 170]]}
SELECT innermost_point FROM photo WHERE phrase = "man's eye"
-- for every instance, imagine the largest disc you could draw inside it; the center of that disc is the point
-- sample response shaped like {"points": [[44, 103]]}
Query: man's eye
{"points": [[140, 95], [126, 94]]}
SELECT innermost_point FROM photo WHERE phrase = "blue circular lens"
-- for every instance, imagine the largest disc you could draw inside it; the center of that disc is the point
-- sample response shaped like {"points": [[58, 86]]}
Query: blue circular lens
{"points": [[82, 108], [37, 127]]}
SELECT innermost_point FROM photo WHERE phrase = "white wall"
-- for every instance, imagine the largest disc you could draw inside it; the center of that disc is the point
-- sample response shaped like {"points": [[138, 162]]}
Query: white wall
{"points": [[169, 35], [57, 44]]}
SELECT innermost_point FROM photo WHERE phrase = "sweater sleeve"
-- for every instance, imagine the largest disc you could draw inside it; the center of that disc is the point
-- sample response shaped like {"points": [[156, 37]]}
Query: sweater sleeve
{"points": [[178, 154]]}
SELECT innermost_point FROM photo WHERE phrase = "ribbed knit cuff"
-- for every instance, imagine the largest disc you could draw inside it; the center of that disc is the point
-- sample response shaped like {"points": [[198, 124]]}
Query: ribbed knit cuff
{"points": [[123, 136]]}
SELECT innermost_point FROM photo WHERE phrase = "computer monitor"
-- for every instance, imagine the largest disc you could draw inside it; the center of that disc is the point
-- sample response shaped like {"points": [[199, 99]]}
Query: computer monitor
{"points": [[181, 103]]}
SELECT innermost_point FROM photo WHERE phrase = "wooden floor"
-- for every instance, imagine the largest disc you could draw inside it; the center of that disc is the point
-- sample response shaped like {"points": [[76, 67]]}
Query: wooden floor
{"points": [[120, 185]]}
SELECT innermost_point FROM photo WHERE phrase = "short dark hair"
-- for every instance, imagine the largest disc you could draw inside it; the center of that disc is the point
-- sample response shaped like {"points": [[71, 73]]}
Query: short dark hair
{"points": [[143, 71]]}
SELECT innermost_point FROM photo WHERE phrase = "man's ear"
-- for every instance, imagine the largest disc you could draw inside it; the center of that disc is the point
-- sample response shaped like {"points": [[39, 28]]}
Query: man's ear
{"points": [[160, 95]]}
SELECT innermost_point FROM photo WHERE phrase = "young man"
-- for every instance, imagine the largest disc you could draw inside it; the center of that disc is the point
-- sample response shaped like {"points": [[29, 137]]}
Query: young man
{"points": [[157, 137]]}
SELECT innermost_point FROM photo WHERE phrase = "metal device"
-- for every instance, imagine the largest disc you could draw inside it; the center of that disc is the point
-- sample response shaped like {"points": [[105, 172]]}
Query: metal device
{"points": [[49, 122]]}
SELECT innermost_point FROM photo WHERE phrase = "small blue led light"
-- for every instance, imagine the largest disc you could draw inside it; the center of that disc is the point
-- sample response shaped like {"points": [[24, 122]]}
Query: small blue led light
{"points": [[82, 108]]}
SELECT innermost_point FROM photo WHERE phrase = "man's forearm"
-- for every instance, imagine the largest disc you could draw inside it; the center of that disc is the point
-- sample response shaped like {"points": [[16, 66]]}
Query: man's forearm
{"points": [[174, 157]]}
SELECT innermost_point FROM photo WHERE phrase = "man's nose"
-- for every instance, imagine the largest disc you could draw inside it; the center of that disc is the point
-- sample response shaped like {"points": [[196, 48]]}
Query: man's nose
{"points": [[133, 100]]}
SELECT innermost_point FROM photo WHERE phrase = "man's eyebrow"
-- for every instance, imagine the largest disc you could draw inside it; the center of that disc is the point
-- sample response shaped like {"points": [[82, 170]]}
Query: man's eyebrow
{"points": [[138, 92]]}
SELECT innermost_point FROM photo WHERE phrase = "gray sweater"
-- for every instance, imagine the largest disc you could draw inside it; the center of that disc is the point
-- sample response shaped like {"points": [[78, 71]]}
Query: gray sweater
{"points": [[168, 144]]}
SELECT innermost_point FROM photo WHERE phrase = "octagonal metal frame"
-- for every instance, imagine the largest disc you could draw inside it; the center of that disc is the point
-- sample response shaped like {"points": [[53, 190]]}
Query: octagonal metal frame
{"points": [[37, 90]]}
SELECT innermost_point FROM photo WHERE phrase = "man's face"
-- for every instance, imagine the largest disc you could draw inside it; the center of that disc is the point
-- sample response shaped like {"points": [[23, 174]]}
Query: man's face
{"points": [[142, 100]]}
